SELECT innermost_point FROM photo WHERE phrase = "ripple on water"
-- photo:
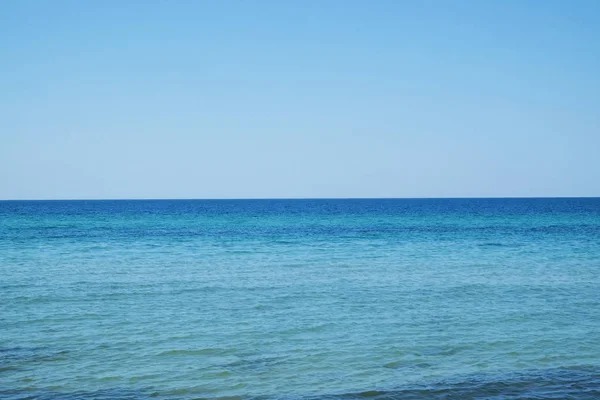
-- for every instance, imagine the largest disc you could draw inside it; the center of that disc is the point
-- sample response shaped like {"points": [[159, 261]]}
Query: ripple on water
{"points": [[579, 383], [299, 299]]}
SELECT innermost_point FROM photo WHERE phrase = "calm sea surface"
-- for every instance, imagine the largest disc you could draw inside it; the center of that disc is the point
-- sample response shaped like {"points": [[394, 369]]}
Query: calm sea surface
{"points": [[300, 299]]}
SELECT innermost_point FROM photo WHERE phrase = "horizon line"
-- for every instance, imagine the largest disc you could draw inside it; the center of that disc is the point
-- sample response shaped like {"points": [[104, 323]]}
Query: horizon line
{"points": [[306, 198]]}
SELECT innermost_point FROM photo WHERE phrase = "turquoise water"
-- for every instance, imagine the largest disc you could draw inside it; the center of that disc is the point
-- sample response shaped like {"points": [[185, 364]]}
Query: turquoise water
{"points": [[398, 299]]}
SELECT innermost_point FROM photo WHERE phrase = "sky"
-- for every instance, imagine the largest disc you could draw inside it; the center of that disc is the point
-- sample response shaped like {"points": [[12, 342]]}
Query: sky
{"points": [[299, 99]]}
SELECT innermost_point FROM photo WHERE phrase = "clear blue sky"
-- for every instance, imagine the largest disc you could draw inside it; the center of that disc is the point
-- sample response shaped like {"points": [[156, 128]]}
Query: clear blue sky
{"points": [[245, 99]]}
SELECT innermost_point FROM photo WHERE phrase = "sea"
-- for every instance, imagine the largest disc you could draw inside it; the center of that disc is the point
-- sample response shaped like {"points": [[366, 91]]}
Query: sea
{"points": [[335, 299]]}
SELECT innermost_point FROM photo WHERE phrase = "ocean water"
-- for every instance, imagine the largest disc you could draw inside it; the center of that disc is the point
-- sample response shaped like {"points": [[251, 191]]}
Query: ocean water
{"points": [[300, 299]]}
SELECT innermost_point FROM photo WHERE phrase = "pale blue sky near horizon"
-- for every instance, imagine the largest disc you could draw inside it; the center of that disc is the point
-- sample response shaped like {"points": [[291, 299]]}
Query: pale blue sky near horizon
{"points": [[276, 99]]}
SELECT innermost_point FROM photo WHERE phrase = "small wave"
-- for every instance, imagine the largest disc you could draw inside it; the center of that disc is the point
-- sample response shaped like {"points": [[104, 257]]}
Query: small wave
{"points": [[256, 363], [498, 244], [573, 383], [139, 378], [407, 364], [579, 383], [197, 352], [29, 354]]}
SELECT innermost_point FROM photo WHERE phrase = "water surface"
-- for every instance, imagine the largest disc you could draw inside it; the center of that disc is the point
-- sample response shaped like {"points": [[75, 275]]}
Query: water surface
{"points": [[300, 299]]}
